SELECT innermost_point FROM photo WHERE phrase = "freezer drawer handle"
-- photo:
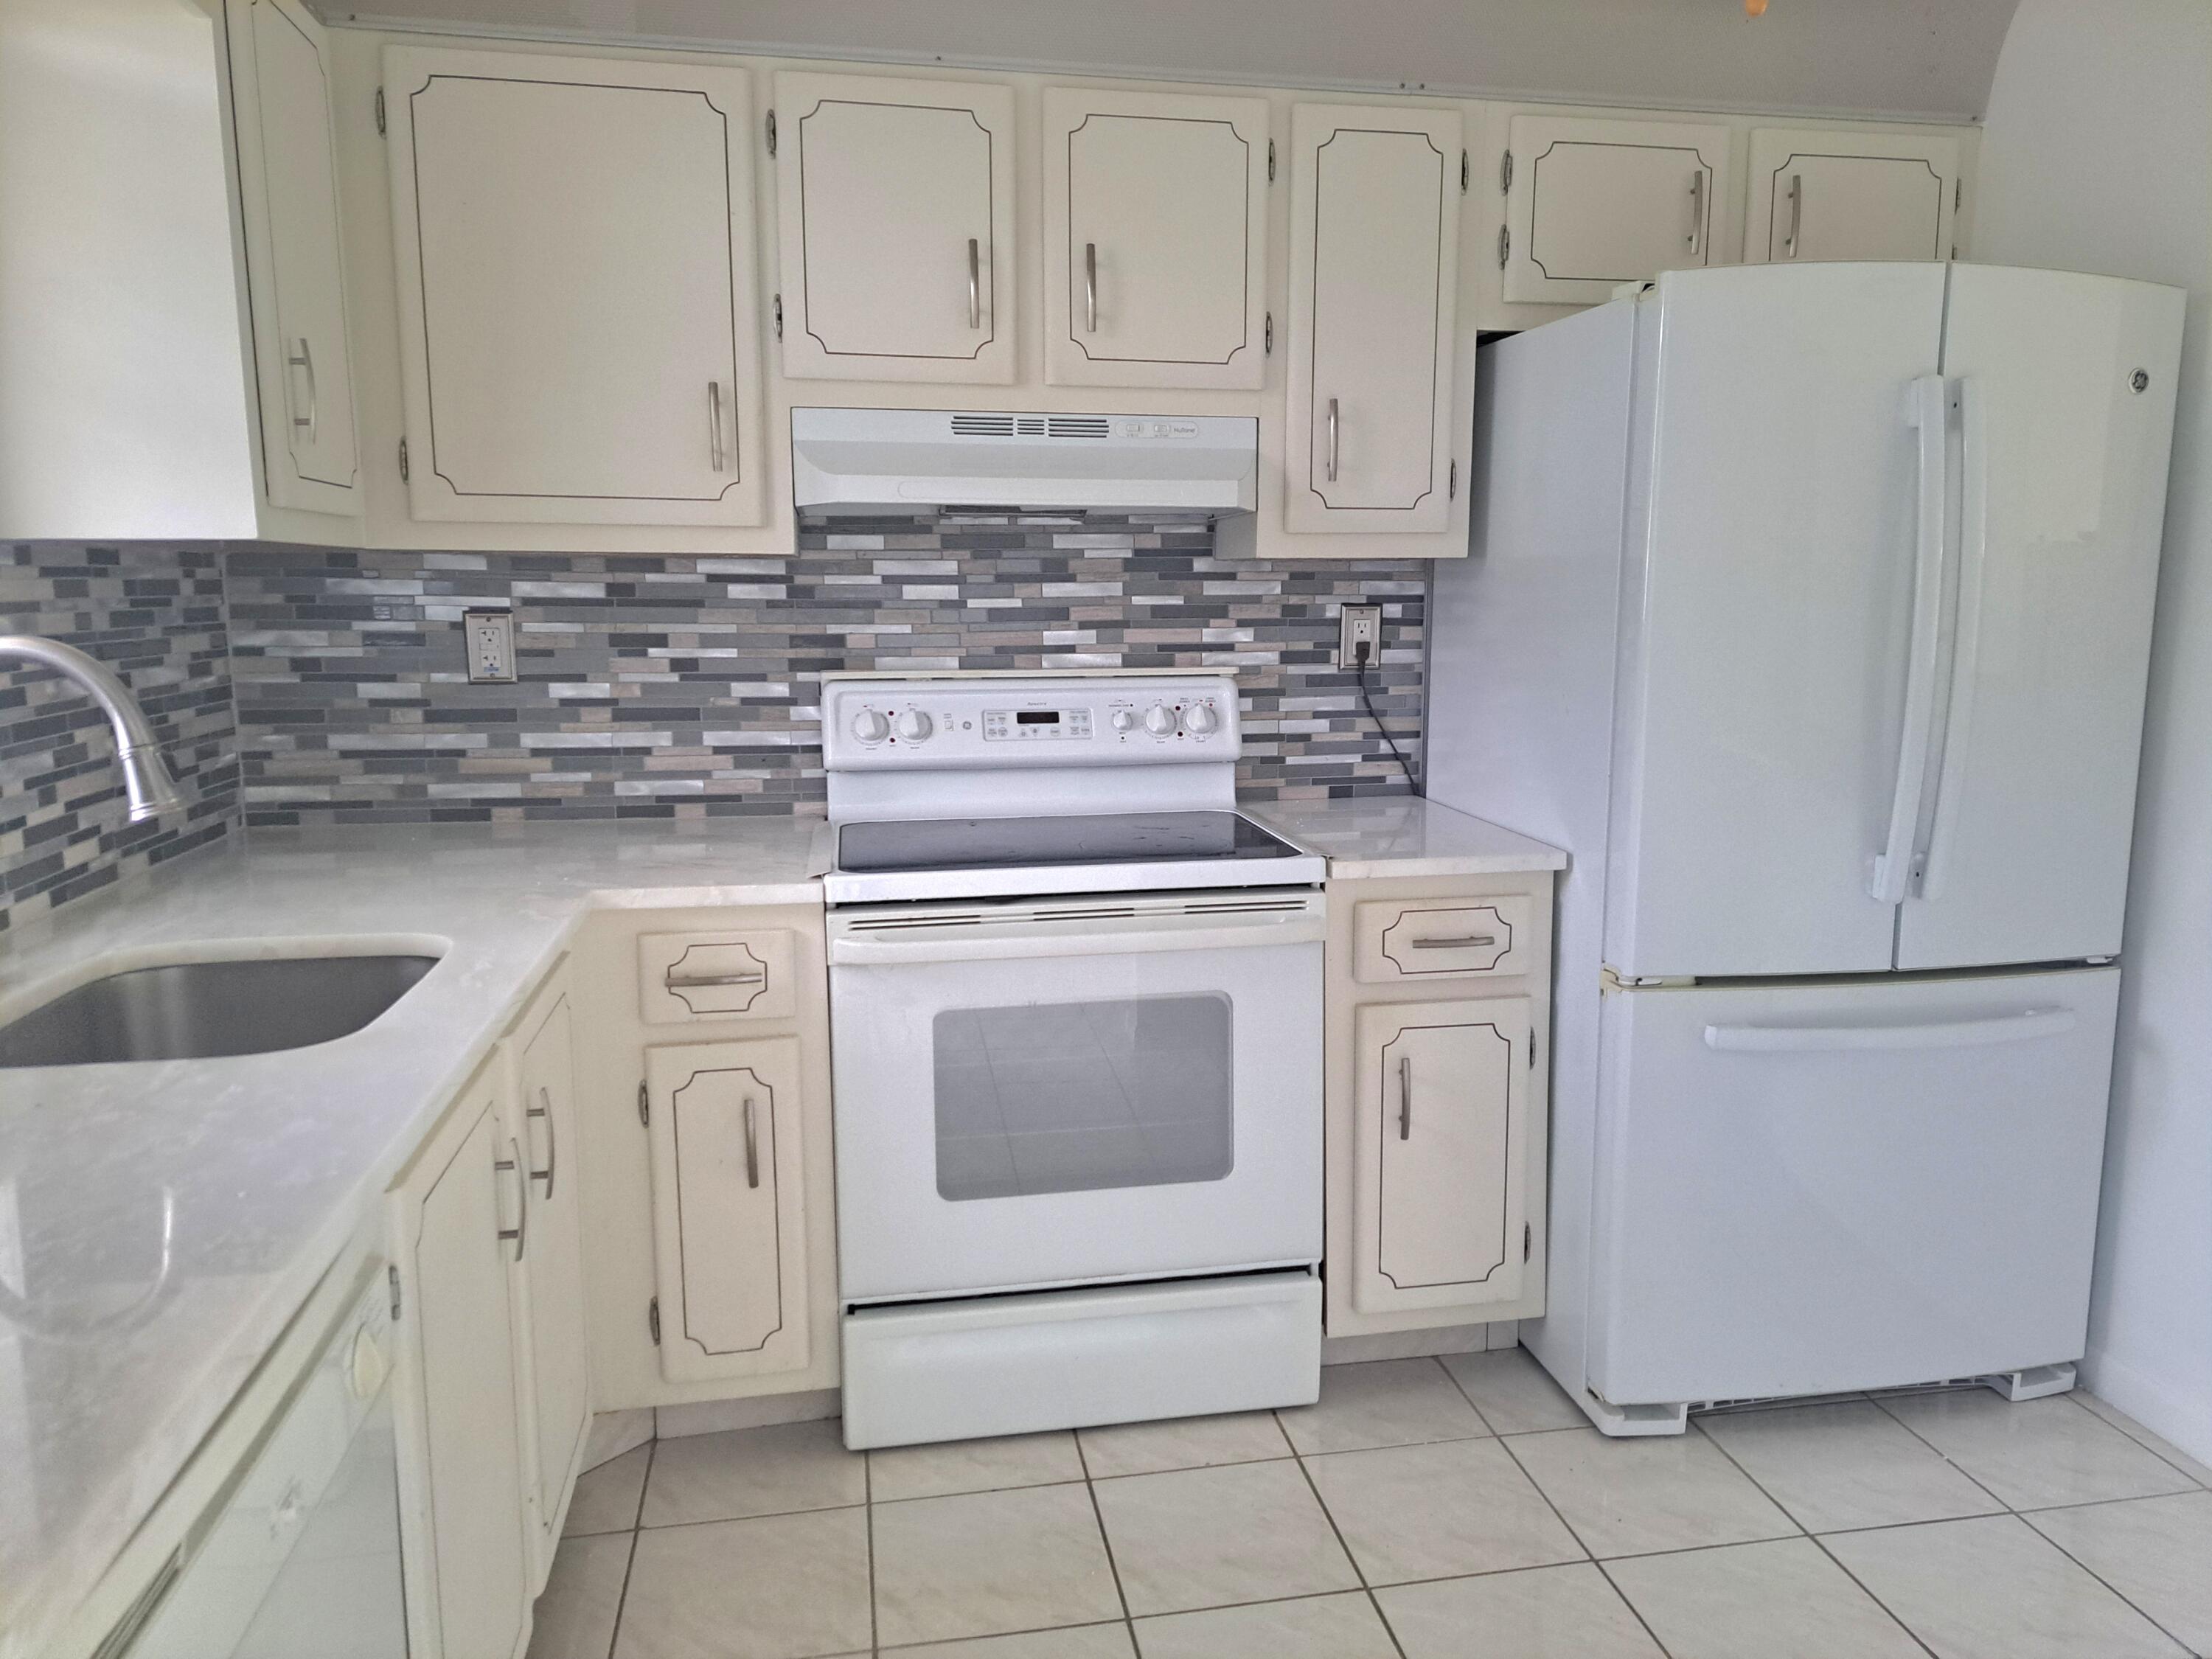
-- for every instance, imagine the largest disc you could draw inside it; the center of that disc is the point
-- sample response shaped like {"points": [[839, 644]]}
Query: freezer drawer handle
{"points": [[2025, 1026]]}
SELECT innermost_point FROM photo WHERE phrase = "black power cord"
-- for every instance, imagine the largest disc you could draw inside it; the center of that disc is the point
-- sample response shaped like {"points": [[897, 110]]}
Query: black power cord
{"points": [[1360, 653]]}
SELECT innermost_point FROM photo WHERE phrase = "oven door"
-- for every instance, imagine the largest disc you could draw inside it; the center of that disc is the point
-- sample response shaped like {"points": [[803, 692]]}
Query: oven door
{"points": [[1076, 1091]]}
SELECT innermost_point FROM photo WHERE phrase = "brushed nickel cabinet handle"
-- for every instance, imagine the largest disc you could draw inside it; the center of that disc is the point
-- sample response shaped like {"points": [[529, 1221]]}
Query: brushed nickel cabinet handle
{"points": [[1697, 208], [1332, 439], [707, 981], [1404, 1097], [521, 1232], [714, 422], [975, 284], [1796, 212], [1091, 288], [304, 360], [544, 1110], [1467, 942], [752, 1147]]}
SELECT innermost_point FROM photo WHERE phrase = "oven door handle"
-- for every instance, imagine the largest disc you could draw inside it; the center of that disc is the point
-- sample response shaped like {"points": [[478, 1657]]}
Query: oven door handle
{"points": [[1003, 942]]}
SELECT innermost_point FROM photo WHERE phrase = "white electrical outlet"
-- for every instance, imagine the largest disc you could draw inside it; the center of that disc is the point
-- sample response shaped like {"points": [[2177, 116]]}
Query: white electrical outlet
{"points": [[490, 636], [1358, 625]]}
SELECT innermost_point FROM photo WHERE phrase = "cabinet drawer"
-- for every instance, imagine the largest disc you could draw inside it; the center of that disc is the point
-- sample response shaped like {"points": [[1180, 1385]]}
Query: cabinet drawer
{"points": [[686, 977], [1416, 939]]}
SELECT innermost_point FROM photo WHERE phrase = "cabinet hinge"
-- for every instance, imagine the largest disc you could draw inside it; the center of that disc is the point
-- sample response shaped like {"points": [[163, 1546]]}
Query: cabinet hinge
{"points": [[392, 1279], [1505, 175], [1505, 244], [1463, 172], [380, 110], [1270, 334], [403, 460], [652, 1319], [1527, 1238], [771, 133], [1452, 493], [644, 1106], [778, 316], [1270, 161]]}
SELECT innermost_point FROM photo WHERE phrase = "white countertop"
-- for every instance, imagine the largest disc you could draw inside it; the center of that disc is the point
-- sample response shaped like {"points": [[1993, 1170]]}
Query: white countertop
{"points": [[1403, 835], [271, 1162]]}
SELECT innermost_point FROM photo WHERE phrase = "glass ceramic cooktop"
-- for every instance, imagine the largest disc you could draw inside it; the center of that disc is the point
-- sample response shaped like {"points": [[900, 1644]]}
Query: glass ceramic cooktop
{"points": [[911, 844]]}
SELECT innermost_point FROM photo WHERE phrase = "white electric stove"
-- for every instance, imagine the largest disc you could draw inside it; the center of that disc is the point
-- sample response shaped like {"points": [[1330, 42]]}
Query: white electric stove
{"points": [[1076, 1011]]}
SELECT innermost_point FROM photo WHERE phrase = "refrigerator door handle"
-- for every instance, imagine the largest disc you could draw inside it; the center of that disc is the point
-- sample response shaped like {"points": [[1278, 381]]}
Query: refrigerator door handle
{"points": [[1966, 631], [2022, 1027], [1893, 866]]}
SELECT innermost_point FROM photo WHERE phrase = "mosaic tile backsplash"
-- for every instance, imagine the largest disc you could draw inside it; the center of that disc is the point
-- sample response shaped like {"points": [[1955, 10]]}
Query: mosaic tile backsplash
{"points": [[154, 614], [675, 687]]}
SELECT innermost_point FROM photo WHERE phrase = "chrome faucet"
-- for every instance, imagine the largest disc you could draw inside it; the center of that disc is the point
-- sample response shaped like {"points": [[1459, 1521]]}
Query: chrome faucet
{"points": [[146, 777]]}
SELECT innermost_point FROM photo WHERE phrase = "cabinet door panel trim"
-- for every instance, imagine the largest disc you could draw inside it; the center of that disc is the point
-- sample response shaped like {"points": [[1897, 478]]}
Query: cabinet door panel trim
{"points": [[1507, 1167], [776, 1201]]}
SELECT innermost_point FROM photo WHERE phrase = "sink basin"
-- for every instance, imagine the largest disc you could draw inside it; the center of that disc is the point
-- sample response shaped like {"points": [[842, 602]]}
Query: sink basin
{"points": [[201, 1010]]}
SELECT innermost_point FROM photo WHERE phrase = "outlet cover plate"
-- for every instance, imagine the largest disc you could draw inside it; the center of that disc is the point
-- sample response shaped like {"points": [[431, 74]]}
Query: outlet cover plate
{"points": [[490, 639], [1356, 622]]}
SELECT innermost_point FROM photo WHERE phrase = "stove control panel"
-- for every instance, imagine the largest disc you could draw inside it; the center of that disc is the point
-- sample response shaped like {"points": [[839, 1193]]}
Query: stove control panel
{"points": [[992, 722]]}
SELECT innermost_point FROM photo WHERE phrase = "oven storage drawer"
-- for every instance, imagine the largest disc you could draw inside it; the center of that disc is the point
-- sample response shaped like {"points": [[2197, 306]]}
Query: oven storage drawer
{"points": [[1129, 1353], [684, 978], [1419, 939]]}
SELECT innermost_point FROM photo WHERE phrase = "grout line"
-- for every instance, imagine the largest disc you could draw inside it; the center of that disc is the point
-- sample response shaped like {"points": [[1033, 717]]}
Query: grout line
{"points": [[1948, 1460], [1099, 1516], [868, 1531], [1635, 1612], [1358, 1571], [1480, 1415], [630, 1562], [2141, 1613], [2187, 1474]]}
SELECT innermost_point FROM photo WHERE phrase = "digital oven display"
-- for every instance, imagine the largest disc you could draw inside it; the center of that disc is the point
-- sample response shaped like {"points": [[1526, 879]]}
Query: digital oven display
{"points": [[1036, 717]]}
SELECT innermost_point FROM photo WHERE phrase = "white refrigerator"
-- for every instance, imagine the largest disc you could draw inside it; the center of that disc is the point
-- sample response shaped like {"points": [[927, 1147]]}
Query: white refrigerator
{"points": [[1810, 607]]}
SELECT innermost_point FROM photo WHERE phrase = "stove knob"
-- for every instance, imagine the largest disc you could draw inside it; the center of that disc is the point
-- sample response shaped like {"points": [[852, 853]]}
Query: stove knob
{"points": [[1159, 720], [1125, 719], [869, 726], [914, 725], [1201, 720]]}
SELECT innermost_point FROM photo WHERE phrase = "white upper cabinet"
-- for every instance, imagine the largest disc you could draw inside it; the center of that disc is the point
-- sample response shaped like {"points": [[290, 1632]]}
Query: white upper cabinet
{"points": [[1155, 239], [1593, 204], [1850, 195], [896, 210], [1375, 197], [578, 324], [288, 187]]}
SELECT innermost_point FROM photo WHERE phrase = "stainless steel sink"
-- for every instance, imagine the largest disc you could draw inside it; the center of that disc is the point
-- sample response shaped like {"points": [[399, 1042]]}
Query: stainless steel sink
{"points": [[201, 1010]]}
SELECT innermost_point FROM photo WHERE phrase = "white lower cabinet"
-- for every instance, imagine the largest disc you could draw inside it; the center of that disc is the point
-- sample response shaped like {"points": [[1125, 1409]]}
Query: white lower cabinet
{"points": [[458, 1231], [729, 1209], [1442, 1193]]}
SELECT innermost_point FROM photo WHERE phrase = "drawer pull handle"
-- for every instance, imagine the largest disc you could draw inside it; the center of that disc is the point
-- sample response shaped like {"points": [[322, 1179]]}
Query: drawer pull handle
{"points": [[521, 1232], [705, 981], [1467, 942], [1404, 1097], [544, 1110], [752, 1147]]}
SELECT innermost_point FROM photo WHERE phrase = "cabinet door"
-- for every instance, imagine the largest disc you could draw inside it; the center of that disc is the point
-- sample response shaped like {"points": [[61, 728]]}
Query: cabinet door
{"points": [[1591, 204], [1850, 195], [458, 1223], [1156, 239], [1442, 1154], [558, 1390], [577, 347], [895, 202], [728, 1207], [287, 193], [1374, 279]]}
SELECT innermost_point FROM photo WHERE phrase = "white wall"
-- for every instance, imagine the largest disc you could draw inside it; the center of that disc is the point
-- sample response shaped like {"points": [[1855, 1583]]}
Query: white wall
{"points": [[2097, 157]]}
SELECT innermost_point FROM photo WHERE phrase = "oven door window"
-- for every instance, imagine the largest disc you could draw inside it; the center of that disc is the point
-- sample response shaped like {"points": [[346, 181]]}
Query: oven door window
{"points": [[1076, 1097]]}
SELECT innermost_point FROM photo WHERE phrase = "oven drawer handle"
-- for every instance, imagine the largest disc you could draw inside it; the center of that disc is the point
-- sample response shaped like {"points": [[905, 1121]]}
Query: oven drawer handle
{"points": [[1466, 942], [984, 944]]}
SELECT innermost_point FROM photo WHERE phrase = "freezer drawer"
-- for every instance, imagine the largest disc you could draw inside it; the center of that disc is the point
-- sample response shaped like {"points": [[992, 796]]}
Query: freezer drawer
{"points": [[1818, 1186]]}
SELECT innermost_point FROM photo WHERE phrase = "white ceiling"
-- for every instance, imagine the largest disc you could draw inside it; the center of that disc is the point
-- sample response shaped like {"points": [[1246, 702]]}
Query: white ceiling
{"points": [[1919, 58]]}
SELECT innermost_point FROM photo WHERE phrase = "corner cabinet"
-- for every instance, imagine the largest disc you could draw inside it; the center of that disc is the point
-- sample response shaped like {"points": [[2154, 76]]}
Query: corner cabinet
{"points": [[1155, 239], [1438, 1006], [1593, 204], [896, 216], [1375, 205], [575, 348], [1850, 195]]}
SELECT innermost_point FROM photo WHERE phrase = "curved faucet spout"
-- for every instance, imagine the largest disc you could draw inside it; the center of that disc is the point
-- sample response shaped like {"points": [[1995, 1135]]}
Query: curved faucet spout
{"points": [[146, 779]]}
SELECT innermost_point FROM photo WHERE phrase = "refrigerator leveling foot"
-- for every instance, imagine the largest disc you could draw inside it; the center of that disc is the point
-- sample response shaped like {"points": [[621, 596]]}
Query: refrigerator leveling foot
{"points": [[1622, 1422], [2030, 1384]]}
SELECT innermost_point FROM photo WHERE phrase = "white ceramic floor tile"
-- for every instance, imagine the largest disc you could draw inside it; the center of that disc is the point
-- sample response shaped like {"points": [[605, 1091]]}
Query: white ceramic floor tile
{"points": [[989, 1563], [1515, 1394], [606, 1497], [1385, 1402], [575, 1616], [1080, 1642], [955, 1466], [1846, 1464], [1631, 1497], [2156, 1552], [2036, 1452], [1315, 1627], [780, 1587], [1439, 1511], [1547, 1613], [1992, 1589], [1783, 1600], [1182, 1442], [748, 1472], [2199, 1472], [1206, 1538]]}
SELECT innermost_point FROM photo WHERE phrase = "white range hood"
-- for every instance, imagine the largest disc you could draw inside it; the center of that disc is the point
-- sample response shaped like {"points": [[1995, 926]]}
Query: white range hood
{"points": [[896, 460]]}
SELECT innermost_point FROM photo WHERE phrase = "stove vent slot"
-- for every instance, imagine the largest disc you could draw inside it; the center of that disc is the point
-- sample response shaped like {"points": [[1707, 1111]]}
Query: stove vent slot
{"points": [[1244, 907], [899, 924], [982, 426], [1076, 425]]}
